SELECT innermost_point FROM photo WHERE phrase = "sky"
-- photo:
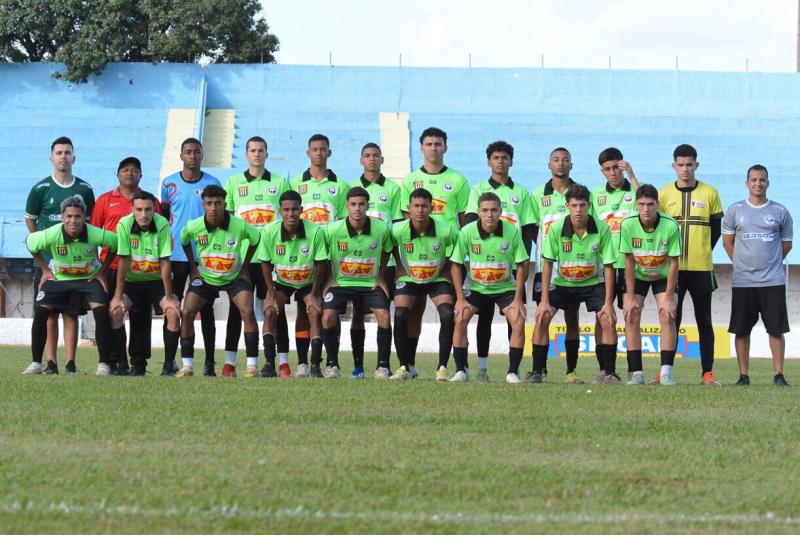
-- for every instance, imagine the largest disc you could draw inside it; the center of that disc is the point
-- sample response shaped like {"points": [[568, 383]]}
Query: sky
{"points": [[718, 35]]}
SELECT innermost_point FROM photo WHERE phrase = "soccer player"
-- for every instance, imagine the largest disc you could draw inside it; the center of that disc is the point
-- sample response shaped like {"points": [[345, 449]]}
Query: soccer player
{"points": [[696, 207], [324, 201], [549, 205], [294, 250], [384, 205], [76, 278], [580, 245], [218, 238], [515, 205], [423, 249], [180, 203], [494, 248], [359, 248], [611, 203], [253, 196], [651, 245], [144, 283], [757, 235], [42, 211]]}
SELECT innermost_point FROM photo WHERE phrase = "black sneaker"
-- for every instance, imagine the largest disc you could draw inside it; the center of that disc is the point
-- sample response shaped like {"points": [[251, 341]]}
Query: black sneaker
{"points": [[121, 370], [51, 369], [208, 370], [269, 370], [780, 380], [168, 370], [315, 371], [70, 368], [744, 380], [138, 370], [534, 378]]}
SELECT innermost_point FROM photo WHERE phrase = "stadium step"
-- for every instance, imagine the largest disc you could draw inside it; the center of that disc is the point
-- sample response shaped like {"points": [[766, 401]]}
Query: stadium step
{"points": [[218, 135], [180, 125], [395, 144]]}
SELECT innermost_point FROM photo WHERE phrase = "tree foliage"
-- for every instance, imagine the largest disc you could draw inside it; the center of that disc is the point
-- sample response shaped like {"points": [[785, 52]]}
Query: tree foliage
{"points": [[85, 35]]}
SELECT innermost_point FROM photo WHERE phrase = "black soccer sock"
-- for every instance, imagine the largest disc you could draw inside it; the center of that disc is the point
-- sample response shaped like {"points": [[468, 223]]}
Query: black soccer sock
{"points": [[187, 346], [282, 336], [483, 333], [233, 329], [540, 357], [384, 347], [269, 348], [171, 340], [357, 337], [572, 354], [316, 350], [401, 340], [39, 333], [446, 327], [251, 345], [460, 356], [119, 341], [609, 357], [412, 350], [598, 354], [514, 359], [102, 333], [301, 340], [209, 329], [667, 357], [331, 342], [634, 360]]}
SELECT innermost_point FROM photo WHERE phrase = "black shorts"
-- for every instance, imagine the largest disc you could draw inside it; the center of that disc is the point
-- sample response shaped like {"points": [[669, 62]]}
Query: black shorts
{"points": [[748, 303], [537, 287], [180, 274], [61, 295], [75, 307], [210, 292], [145, 295], [367, 298], [257, 278], [619, 286], [288, 291], [483, 301], [431, 289], [563, 296], [696, 282], [643, 287]]}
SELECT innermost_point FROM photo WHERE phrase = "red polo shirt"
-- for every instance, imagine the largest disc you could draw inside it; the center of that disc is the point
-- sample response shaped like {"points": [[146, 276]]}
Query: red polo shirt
{"points": [[109, 208]]}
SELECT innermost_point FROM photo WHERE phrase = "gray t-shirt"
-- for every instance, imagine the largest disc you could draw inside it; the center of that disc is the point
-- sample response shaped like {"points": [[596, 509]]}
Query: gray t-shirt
{"points": [[758, 248]]}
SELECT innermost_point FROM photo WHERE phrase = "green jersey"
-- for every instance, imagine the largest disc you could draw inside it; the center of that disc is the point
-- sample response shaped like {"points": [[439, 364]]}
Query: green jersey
{"points": [[384, 201], [45, 198], [449, 188], [219, 249], [515, 201], [424, 255], [611, 206], [356, 256], [650, 250], [580, 261], [324, 201], [547, 207], [492, 257], [146, 247], [72, 259], [293, 257], [255, 199]]}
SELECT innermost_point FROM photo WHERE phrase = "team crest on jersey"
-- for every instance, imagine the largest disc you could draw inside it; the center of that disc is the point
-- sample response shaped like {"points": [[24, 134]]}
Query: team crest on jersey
{"points": [[303, 189], [628, 198], [436, 246], [384, 198], [61, 250], [419, 184], [514, 200], [202, 239], [332, 190], [448, 186], [504, 247], [595, 247], [601, 200], [342, 246], [231, 242], [134, 243], [663, 243], [280, 250], [476, 248], [272, 190], [409, 247], [566, 246], [636, 243], [242, 191], [373, 246], [546, 200], [304, 250]]}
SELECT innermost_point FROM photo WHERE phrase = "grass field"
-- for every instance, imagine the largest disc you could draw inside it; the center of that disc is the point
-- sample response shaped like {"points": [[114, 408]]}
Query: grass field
{"points": [[152, 454]]}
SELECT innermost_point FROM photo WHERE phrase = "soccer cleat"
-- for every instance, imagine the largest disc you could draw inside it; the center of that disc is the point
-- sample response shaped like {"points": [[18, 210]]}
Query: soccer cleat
{"points": [[332, 372], [666, 380], [357, 373], [34, 368], [121, 371], [208, 370], [402, 374], [384, 373], [656, 380], [709, 380], [269, 370], [412, 370], [600, 378], [284, 371], [483, 375], [51, 369], [103, 370], [442, 374], [744, 380], [636, 378], [779, 380], [168, 370], [513, 379], [544, 377], [186, 371], [612, 379], [534, 378], [302, 371], [315, 371], [70, 368], [228, 370], [138, 370], [573, 379], [252, 371], [460, 377]]}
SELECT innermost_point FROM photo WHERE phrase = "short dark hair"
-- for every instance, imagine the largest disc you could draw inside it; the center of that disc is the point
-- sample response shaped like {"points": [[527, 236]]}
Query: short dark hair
{"points": [[579, 192], [212, 190], [757, 167], [290, 195], [143, 195], [560, 149], [63, 140], [130, 160], [371, 145], [357, 191], [421, 193], [647, 190], [500, 146], [190, 141], [432, 131], [684, 151], [489, 196], [255, 139], [319, 137], [608, 155], [76, 201]]}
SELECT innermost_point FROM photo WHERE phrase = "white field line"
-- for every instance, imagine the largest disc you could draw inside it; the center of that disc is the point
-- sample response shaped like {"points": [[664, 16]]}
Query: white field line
{"points": [[304, 513]]}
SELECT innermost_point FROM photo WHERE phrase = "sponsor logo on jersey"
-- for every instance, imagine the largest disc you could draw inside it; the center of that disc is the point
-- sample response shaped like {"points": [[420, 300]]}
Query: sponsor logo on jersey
{"points": [[294, 274], [242, 191], [566, 246], [488, 274], [359, 268], [546, 200], [280, 250], [476, 248], [342, 246], [202, 239], [636, 243], [439, 206], [698, 204], [134, 243], [61, 250], [409, 247], [317, 214], [74, 270], [145, 265], [423, 272], [577, 273], [258, 217], [219, 263]]}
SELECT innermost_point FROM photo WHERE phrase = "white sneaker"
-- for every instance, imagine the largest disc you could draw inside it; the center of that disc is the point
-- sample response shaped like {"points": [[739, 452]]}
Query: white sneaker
{"points": [[413, 371], [332, 372], [442, 374], [667, 380], [103, 370], [513, 379], [460, 377], [383, 373], [636, 378], [401, 374], [34, 368], [302, 371]]}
